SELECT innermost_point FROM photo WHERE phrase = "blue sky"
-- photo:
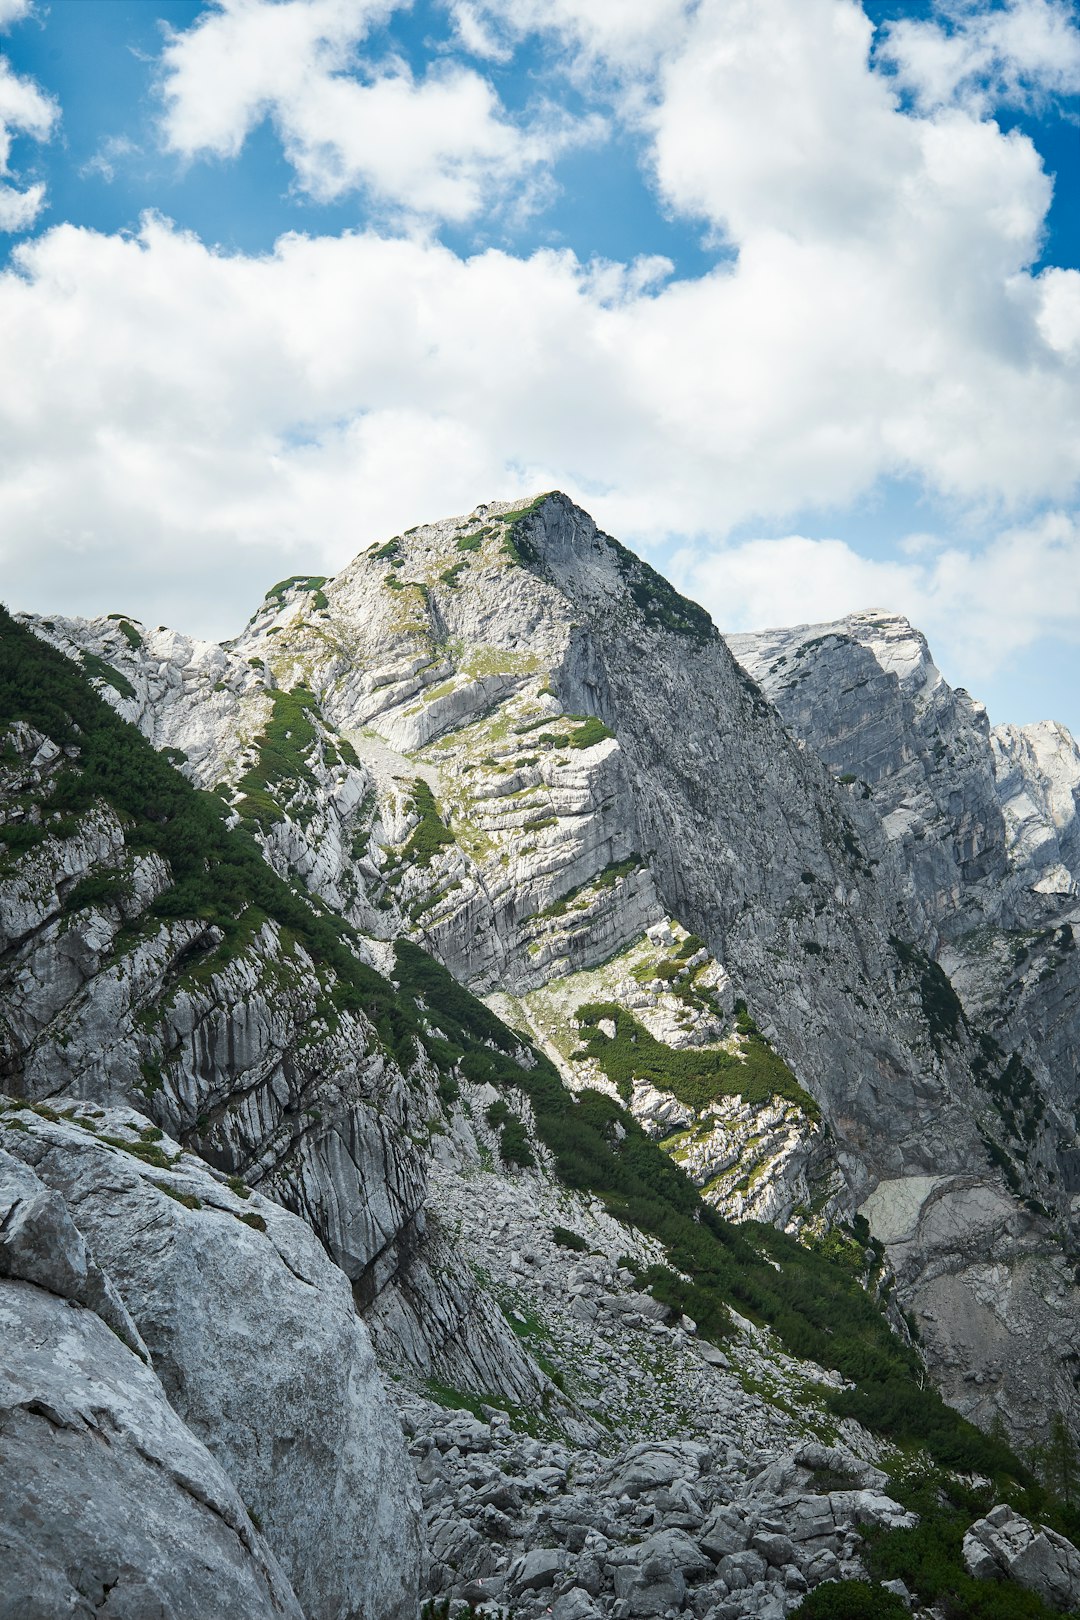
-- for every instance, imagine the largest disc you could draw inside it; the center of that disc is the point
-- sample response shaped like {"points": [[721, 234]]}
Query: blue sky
{"points": [[788, 295]]}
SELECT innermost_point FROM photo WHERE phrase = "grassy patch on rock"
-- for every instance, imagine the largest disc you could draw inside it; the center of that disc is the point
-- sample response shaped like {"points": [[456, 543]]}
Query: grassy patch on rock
{"points": [[697, 1076]]}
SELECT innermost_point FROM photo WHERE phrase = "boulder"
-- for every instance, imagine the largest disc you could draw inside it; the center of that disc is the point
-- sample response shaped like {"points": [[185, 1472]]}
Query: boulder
{"points": [[536, 1569], [724, 1532], [650, 1467], [40, 1243], [255, 1338], [677, 1549], [108, 1502], [576, 1604], [1006, 1546], [650, 1588]]}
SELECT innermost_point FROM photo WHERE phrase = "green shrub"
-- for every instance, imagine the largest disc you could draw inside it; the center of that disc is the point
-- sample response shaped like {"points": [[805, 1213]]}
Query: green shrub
{"points": [[22, 835], [449, 1090], [127, 630], [430, 833], [306, 582], [695, 1075], [588, 735], [99, 889], [514, 1144], [188, 1200], [289, 737], [99, 670], [850, 1600], [569, 1240], [929, 1560]]}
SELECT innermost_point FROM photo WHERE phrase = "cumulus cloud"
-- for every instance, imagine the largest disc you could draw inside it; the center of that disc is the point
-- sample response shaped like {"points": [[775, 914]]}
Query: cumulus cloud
{"points": [[625, 37], [184, 414], [441, 147], [13, 11], [19, 209], [328, 393], [983, 604], [1016, 54], [26, 110]]}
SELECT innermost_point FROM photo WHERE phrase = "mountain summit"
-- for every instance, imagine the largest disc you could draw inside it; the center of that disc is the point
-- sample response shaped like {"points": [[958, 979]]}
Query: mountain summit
{"points": [[594, 988]]}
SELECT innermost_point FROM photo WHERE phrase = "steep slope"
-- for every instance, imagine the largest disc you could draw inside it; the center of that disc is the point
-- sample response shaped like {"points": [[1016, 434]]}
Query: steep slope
{"points": [[149, 956], [557, 1274], [1037, 771], [509, 738], [980, 826]]}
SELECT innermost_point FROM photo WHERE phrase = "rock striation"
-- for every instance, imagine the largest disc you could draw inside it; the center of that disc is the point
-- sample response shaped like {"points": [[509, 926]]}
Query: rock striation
{"points": [[255, 1341], [780, 923], [104, 1491]]}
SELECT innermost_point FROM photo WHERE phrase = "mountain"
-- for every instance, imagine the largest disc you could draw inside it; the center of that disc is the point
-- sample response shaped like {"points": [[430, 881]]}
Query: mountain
{"points": [[671, 1041]]}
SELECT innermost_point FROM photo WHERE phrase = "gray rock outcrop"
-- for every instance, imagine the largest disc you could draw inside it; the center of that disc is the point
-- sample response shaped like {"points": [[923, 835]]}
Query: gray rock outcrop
{"points": [[108, 1502], [1006, 1546], [256, 1342], [511, 741]]}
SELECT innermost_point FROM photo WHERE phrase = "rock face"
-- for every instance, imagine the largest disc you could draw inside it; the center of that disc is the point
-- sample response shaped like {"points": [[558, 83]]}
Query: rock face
{"points": [[823, 971], [988, 1291], [1006, 1546], [115, 1002], [104, 1492], [1037, 772], [868, 697], [257, 1346], [980, 827]]}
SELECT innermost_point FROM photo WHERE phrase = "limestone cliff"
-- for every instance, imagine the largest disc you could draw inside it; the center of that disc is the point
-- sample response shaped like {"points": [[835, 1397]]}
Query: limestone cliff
{"points": [[800, 931]]}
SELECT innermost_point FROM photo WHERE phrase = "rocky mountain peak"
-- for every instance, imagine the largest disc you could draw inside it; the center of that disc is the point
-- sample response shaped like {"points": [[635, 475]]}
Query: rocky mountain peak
{"points": [[605, 996]]}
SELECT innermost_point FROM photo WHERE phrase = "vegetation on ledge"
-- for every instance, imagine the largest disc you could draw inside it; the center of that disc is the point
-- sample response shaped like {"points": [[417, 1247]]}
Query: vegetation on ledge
{"points": [[813, 1300], [696, 1075], [283, 749]]}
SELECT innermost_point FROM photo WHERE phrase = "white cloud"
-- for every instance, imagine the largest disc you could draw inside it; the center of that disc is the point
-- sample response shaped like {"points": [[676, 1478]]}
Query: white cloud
{"points": [[179, 403], [13, 11], [1059, 316], [185, 415], [19, 209], [113, 150], [441, 147], [1014, 54], [624, 36], [24, 109], [979, 605], [474, 33], [243, 58], [761, 584]]}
